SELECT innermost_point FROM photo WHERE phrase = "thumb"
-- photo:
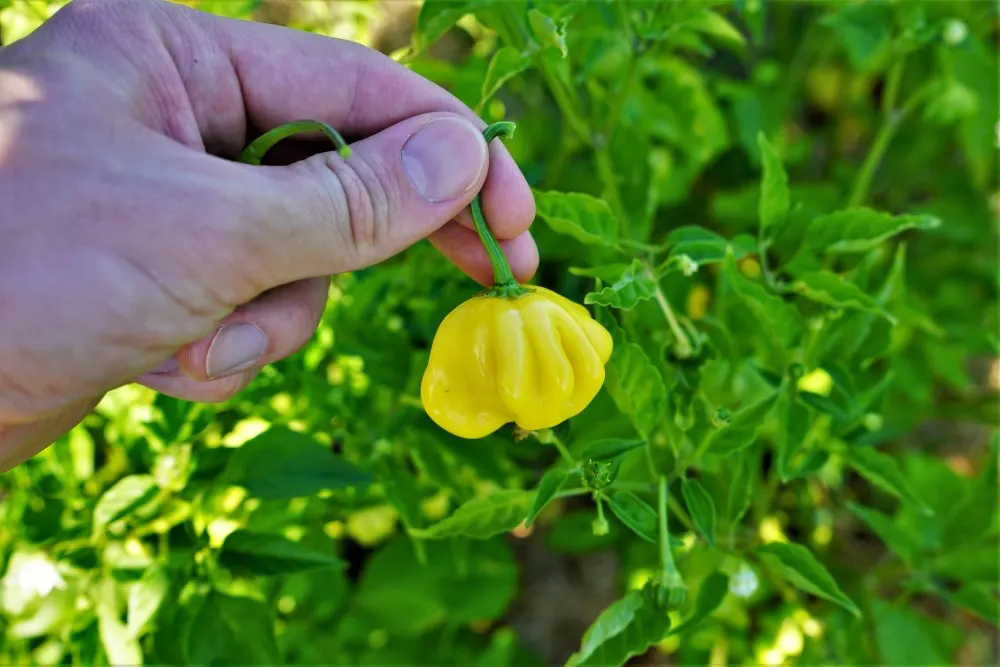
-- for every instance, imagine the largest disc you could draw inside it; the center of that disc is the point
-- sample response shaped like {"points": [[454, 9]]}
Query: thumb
{"points": [[327, 214]]}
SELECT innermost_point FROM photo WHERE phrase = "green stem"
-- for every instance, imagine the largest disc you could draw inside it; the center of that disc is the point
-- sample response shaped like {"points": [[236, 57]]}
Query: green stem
{"points": [[680, 513], [606, 172], [254, 153], [670, 576], [558, 444], [682, 347], [890, 125], [504, 283]]}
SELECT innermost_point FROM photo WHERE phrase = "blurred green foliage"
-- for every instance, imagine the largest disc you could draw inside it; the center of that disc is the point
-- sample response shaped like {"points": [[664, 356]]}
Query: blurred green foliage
{"points": [[784, 211]]}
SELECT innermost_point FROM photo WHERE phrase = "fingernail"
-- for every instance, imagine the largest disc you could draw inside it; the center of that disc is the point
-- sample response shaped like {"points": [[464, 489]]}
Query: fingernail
{"points": [[234, 346], [444, 158], [168, 366]]}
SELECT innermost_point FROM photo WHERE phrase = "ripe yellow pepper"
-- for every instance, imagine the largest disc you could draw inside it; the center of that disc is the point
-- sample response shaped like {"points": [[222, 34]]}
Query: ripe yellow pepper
{"points": [[536, 360], [513, 353]]}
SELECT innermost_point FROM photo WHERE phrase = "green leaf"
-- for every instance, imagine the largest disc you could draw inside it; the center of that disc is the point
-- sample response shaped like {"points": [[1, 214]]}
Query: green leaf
{"points": [[740, 487], [636, 386], [585, 218], [438, 16], [794, 426], [635, 513], [145, 598], [861, 229], [906, 638], [547, 32], [463, 581], [231, 630], [703, 246], [700, 507], [719, 29], [896, 538], [633, 286], [605, 450], [980, 599], [710, 595], [609, 273], [267, 554], [741, 429], [775, 198], [281, 463], [120, 646], [831, 290], [480, 518], [864, 29], [883, 471], [971, 563], [507, 63], [625, 629], [127, 495], [547, 488], [801, 568], [778, 321]]}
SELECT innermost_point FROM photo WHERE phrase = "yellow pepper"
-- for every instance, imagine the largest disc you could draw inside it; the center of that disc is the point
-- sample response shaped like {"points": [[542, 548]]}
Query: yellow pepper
{"points": [[512, 354], [536, 360]]}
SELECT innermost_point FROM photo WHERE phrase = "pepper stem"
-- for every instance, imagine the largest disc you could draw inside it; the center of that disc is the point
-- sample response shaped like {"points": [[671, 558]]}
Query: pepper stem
{"points": [[504, 283], [254, 153]]}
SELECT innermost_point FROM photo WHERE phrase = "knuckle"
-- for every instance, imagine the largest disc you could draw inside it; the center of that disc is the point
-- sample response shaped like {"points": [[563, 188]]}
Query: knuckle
{"points": [[358, 194]]}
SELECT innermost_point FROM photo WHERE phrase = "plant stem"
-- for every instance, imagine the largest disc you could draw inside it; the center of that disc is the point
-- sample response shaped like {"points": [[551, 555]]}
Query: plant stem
{"points": [[558, 444], [504, 283], [891, 121], [666, 558], [680, 513], [254, 153], [606, 170], [682, 347]]}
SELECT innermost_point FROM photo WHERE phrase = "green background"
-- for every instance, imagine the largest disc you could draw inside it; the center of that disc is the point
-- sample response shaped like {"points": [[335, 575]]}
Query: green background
{"points": [[785, 212]]}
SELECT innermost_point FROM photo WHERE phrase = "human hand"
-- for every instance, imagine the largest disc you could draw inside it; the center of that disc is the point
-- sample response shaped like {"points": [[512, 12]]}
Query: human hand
{"points": [[131, 250]]}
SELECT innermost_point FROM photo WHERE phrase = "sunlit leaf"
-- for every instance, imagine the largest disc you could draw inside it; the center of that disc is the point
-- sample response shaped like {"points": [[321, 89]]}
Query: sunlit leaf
{"points": [[281, 463], [438, 16], [830, 289], [268, 554], [775, 198], [120, 645], [701, 508], [710, 595], [636, 386], [127, 495], [801, 568], [741, 429], [894, 537], [507, 63], [625, 629], [883, 471], [778, 321], [484, 517], [547, 488], [703, 246], [145, 598], [233, 629], [605, 450], [585, 218], [633, 286], [861, 229], [635, 513]]}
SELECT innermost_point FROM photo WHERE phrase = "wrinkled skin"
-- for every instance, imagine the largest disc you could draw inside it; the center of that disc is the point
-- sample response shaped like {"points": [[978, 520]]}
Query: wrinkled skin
{"points": [[129, 238]]}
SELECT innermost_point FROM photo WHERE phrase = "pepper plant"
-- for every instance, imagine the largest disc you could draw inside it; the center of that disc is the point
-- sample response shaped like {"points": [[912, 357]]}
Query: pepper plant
{"points": [[783, 217]]}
